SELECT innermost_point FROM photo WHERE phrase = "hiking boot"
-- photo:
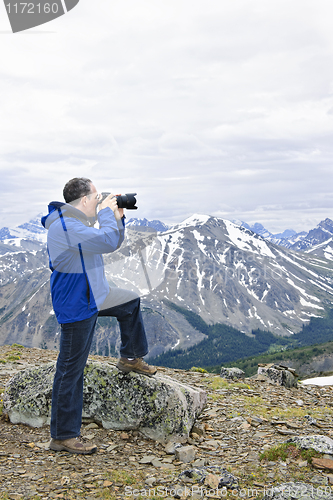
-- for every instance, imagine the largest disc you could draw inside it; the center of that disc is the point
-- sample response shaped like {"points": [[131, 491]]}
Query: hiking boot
{"points": [[136, 365], [72, 445]]}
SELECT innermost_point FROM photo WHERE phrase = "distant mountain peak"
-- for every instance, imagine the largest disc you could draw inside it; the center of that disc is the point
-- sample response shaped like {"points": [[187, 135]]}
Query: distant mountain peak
{"points": [[31, 230], [154, 224], [195, 220]]}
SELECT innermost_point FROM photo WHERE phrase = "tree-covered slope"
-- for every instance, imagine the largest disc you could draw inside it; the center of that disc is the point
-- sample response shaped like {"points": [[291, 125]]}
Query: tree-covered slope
{"points": [[225, 344]]}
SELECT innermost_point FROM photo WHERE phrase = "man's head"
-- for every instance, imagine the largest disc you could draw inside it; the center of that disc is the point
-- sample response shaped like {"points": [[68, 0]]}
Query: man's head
{"points": [[76, 188], [82, 194]]}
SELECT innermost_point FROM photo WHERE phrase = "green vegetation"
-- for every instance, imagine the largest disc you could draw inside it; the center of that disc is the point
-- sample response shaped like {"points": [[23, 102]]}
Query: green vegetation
{"points": [[228, 346], [298, 355], [194, 319], [12, 357], [121, 476], [317, 331], [220, 383], [14, 354], [284, 451], [222, 345]]}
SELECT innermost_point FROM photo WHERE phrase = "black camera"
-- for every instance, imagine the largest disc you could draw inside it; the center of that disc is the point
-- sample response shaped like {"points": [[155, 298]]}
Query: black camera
{"points": [[124, 200]]}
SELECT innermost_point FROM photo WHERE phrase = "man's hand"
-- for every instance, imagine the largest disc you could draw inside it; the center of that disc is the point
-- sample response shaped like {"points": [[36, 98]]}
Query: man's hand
{"points": [[111, 202]]}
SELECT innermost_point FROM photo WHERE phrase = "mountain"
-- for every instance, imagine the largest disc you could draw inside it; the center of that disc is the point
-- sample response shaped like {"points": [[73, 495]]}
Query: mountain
{"points": [[27, 317], [226, 274], [286, 239], [289, 241], [255, 228], [157, 225], [32, 230], [318, 241], [220, 270]]}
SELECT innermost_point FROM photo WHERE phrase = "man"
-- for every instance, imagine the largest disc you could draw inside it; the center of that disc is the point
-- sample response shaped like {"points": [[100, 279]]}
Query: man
{"points": [[80, 293]]}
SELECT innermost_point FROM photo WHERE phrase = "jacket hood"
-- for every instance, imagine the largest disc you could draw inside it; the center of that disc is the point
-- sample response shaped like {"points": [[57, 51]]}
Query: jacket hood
{"points": [[59, 209]]}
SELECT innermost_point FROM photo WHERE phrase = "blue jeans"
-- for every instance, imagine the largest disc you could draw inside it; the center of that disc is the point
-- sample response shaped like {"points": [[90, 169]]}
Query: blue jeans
{"points": [[75, 343]]}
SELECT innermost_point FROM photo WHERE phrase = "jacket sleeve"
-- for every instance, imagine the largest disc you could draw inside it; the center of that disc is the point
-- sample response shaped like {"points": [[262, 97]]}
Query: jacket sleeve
{"points": [[106, 239]]}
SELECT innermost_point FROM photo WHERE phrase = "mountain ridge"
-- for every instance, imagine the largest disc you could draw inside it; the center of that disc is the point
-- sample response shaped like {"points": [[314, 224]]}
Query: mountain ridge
{"points": [[289, 238], [224, 272]]}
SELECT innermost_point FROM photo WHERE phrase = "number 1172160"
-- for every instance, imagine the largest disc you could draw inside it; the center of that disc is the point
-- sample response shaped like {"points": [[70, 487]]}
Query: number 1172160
{"points": [[32, 8]]}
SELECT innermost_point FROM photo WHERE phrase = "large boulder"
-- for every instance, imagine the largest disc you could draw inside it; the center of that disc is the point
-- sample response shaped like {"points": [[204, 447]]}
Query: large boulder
{"points": [[278, 374], [159, 407], [231, 373]]}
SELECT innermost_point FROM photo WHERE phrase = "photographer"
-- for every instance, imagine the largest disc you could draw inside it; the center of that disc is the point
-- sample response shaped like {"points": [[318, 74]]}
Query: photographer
{"points": [[81, 293]]}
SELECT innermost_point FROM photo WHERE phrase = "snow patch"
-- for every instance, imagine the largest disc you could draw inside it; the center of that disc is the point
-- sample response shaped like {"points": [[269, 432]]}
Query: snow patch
{"points": [[244, 240]]}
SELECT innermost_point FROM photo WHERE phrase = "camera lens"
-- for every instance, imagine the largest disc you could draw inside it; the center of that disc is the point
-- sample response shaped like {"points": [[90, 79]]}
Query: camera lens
{"points": [[127, 201]]}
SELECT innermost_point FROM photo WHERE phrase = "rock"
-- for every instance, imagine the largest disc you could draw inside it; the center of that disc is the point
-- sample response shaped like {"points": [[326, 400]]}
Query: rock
{"points": [[29, 471], [91, 426], [147, 459], [159, 407], [212, 443], [170, 447], [43, 446], [231, 373], [185, 454], [285, 432], [212, 481], [296, 491], [27, 398], [124, 435], [280, 375], [322, 444], [200, 462], [311, 420], [150, 481], [322, 463], [199, 474], [255, 422], [199, 429], [156, 463], [107, 484]]}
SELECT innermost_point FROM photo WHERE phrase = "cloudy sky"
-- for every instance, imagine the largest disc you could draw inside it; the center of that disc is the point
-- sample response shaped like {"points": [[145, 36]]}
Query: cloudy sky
{"points": [[214, 107]]}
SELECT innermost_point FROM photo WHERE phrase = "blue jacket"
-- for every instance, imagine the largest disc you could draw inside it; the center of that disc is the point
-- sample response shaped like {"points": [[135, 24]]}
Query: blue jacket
{"points": [[75, 248]]}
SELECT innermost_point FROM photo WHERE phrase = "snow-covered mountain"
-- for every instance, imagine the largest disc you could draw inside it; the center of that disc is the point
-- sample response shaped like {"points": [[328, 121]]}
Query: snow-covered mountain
{"points": [[227, 274], [288, 238], [321, 234], [255, 228], [157, 225], [220, 270], [32, 230]]}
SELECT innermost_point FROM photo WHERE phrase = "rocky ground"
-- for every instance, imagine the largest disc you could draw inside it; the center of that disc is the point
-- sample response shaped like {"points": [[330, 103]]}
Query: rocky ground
{"points": [[242, 420]]}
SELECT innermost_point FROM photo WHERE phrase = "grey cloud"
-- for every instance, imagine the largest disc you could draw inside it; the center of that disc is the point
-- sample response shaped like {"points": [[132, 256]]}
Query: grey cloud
{"points": [[221, 108]]}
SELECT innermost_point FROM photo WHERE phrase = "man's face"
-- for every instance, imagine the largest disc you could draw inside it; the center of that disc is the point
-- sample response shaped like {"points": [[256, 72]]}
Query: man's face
{"points": [[90, 202]]}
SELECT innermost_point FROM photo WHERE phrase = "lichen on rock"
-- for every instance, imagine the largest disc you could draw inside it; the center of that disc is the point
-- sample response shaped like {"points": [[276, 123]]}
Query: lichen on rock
{"points": [[27, 398], [318, 442], [231, 373], [278, 374], [159, 407], [297, 491]]}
